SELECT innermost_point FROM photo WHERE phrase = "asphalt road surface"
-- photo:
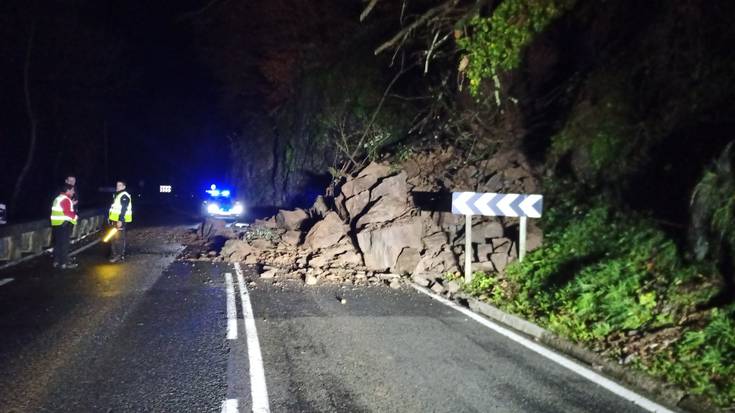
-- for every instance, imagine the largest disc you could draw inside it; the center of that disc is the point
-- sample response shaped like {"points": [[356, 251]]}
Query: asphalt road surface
{"points": [[158, 334]]}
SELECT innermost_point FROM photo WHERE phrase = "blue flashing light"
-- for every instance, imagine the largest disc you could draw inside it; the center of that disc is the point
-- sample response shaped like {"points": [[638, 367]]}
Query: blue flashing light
{"points": [[225, 193]]}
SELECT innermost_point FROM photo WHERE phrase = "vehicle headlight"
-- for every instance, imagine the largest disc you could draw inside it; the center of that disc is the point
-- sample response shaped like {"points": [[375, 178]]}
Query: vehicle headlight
{"points": [[213, 208], [238, 209]]}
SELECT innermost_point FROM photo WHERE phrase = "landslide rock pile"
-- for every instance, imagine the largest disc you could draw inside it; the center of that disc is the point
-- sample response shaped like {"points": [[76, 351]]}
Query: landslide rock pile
{"points": [[373, 230]]}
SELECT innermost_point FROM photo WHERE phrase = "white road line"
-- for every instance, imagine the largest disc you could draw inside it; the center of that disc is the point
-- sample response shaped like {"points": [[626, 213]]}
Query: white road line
{"points": [[6, 281], [258, 389], [557, 358], [230, 406], [231, 309]]}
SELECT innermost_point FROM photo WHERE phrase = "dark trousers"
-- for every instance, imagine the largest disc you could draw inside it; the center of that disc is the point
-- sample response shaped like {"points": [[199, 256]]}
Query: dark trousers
{"points": [[118, 243], [62, 236]]}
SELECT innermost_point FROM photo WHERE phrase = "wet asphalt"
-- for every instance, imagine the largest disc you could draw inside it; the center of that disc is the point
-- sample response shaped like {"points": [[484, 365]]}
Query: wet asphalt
{"points": [[150, 335]]}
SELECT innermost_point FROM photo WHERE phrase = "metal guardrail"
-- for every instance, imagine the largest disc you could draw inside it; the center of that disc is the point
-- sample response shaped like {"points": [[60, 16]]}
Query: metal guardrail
{"points": [[23, 241]]}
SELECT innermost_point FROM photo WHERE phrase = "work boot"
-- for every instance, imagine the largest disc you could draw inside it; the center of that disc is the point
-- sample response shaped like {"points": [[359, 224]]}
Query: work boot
{"points": [[69, 266], [115, 259]]}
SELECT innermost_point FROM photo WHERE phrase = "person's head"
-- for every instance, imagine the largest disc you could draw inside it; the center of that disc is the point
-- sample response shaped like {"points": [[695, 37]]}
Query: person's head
{"points": [[120, 186], [71, 180], [67, 189]]}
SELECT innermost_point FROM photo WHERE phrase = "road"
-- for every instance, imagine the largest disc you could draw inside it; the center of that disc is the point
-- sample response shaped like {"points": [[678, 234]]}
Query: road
{"points": [[160, 334]]}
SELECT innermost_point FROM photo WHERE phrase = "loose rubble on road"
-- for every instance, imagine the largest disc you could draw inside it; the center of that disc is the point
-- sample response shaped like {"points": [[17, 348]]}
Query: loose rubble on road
{"points": [[373, 231]]}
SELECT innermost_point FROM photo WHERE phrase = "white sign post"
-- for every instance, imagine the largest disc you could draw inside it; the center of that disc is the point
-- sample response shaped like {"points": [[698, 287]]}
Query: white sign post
{"points": [[497, 205]]}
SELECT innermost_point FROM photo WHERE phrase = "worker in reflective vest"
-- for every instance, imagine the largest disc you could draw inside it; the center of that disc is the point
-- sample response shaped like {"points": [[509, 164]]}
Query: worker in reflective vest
{"points": [[121, 214], [63, 219]]}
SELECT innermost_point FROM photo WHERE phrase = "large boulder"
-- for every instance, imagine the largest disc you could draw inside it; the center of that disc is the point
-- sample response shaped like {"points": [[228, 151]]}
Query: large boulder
{"points": [[326, 232], [382, 246], [347, 259], [292, 238], [407, 261], [291, 220], [385, 210], [375, 169], [439, 263], [320, 207], [483, 232], [356, 205], [394, 186], [534, 238], [236, 250], [329, 253], [356, 185], [436, 241]]}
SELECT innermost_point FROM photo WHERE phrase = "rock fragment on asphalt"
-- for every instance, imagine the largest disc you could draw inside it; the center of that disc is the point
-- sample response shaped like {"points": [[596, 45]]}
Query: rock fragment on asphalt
{"points": [[421, 280], [437, 288]]}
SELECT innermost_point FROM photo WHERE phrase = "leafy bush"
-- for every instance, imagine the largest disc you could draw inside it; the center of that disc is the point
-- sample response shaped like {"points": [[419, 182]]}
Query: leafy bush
{"points": [[253, 233], [713, 207], [497, 42], [703, 360]]}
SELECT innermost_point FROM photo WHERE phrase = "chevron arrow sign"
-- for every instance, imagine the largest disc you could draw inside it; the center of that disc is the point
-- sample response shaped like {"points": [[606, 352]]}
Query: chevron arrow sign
{"points": [[498, 205]]}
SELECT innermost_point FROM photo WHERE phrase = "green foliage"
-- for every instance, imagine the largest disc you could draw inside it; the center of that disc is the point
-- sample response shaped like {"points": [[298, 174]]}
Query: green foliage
{"points": [[253, 233], [703, 360], [375, 143], [713, 207], [496, 43], [403, 152], [480, 284]]}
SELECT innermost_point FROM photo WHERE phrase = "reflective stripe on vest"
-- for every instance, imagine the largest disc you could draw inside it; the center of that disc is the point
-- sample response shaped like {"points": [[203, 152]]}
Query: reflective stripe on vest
{"points": [[116, 208], [57, 212]]}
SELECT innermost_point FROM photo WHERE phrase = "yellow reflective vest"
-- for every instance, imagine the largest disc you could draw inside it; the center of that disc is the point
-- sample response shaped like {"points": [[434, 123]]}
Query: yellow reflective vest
{"points": [[57, 212], [116, 208]]}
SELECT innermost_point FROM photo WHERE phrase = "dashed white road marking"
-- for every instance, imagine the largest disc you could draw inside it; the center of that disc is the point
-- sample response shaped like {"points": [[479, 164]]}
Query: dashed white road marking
{"points": [[6, 281], [557, 358], [231, 309], [258, 389], [230, 406]]}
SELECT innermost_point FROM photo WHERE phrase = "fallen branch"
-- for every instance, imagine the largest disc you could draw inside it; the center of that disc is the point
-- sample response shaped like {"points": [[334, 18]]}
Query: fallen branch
{"points": [[368, 9]]}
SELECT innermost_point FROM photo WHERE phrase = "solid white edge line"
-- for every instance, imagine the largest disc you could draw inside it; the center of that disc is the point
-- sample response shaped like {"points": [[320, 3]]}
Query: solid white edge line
{"points": [[555, 357], [230, 406], [258, 388], [6, 281], [231, 309]]}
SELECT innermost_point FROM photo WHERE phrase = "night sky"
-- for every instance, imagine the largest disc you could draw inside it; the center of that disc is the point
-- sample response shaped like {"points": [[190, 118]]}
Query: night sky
{"points": [[154, 98]]}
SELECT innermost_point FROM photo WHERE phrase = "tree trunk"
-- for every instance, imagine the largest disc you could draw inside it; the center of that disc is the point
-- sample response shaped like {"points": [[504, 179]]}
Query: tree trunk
{"points": [[32, 121]]}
